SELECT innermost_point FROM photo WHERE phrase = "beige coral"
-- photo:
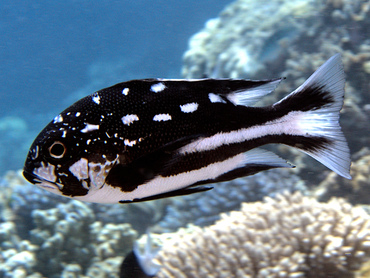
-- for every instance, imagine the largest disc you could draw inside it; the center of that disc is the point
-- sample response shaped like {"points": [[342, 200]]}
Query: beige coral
{"points": [[290, 236]]}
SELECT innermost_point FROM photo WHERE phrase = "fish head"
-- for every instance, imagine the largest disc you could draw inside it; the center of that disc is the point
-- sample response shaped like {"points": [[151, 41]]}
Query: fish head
{"points": [[70, 156]]}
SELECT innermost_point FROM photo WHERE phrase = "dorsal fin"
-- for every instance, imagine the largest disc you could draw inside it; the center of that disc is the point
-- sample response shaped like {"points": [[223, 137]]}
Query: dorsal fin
{"points": [[238, 91], [250, 96]]}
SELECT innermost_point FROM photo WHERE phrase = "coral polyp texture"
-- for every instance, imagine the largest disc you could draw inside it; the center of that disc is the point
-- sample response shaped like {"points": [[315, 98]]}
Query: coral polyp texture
{"points": [[290, 236]]}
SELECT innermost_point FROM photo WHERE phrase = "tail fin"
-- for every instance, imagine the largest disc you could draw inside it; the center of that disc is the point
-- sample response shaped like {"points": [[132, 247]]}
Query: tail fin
{"points": [[315, 107]]}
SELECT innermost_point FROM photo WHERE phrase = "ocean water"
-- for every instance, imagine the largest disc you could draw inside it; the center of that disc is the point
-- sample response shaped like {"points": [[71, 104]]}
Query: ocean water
{"points": [[53, 53]]}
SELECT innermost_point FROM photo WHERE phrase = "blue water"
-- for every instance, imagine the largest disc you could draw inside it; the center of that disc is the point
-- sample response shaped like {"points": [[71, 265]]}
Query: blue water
{"points": [[53, 52]]}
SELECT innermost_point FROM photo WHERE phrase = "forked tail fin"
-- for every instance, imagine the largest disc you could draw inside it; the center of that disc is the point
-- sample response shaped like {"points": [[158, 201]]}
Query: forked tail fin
{"points": [[314, 109]]}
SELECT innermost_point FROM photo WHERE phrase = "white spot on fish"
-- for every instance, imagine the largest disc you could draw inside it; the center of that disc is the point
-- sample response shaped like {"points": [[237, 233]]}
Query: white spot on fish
{"points": [[90, 127], [129, 143], [125, 91], [96, 99], [189, 107], [46, 172], [79, 169], [64, 134], [158, 87], [85, 185], [98, 173], [88, 141], [78, 114], [129, 119], [58, 119], [215, 98], [162, 117]]}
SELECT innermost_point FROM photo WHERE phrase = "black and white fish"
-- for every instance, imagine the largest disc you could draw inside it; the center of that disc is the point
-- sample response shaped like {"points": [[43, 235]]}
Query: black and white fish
{"points": [[152, 138], [140, 264]]}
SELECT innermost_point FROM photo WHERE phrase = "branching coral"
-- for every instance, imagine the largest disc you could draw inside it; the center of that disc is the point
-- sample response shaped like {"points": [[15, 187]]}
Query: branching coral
{"points": [[68, 235], [290, 236]]}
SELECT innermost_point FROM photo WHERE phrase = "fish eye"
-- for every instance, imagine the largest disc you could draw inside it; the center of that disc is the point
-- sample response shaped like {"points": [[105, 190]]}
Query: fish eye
{"points": [[57, 150]]}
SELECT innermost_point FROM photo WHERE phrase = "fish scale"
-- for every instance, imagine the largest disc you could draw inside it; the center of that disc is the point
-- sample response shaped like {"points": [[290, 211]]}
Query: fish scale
{"points": [[153, 138]]}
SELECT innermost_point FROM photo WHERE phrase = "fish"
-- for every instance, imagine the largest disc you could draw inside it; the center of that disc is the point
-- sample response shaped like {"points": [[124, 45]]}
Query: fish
{"points": [[140, 264], [154, 138]]}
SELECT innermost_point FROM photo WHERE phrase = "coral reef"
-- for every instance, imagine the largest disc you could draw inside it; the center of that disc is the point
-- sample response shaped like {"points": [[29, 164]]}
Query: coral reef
{"points": [[105, 269], [66, 240], [141, 216], [290, 236], [294, 234], [22, 199], [244, 37], [18, 257], [61, 235], [205, 208]]}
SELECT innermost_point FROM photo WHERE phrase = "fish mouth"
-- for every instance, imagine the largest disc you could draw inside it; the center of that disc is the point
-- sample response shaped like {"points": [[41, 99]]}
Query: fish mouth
{"points": [[43, 183], [29, 177]]}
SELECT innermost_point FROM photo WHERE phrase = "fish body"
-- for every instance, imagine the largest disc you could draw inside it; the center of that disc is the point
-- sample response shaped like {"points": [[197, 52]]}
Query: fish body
{"points": [[146, 139]]}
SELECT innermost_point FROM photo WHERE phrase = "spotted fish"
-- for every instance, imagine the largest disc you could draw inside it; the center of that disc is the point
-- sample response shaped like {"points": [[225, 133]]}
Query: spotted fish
{"points": [[152, 138]]}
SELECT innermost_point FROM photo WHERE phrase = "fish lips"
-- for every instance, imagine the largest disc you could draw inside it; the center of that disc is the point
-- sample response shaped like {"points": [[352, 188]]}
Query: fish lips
{"points": [[45, 184], [30, 177]]}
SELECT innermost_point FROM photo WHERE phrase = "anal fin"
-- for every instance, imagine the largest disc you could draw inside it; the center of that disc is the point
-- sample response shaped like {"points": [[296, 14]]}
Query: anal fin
{"points": [[255, 160], [180, 192]]}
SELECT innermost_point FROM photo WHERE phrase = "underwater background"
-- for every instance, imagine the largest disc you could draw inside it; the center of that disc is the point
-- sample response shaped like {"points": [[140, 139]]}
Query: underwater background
{"points": [[303, 222]]}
